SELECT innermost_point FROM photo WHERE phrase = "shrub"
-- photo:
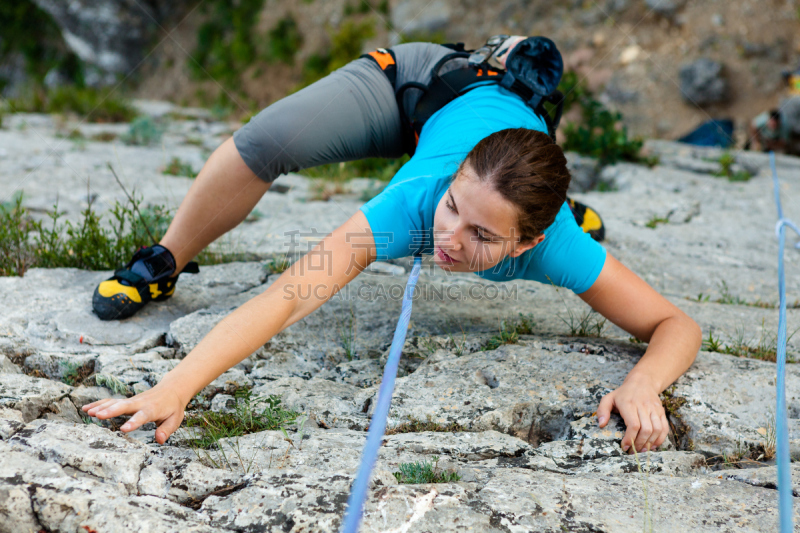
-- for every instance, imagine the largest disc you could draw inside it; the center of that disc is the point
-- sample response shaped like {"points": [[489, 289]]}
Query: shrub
{"points": [[143, 131], [284, 40], [600, 134], [90, 243], [95, 105], [225, 42], [346, 45], [30, 31]]}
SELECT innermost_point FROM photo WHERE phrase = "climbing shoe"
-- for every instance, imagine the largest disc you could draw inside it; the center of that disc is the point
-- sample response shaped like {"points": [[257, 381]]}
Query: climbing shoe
{"points": [[146, 277], [588, 219]]}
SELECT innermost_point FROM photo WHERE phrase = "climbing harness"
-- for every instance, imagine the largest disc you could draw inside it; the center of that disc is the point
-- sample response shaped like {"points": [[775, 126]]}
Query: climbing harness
{"points": [[533, 71], [784, 474], [358, 491]]}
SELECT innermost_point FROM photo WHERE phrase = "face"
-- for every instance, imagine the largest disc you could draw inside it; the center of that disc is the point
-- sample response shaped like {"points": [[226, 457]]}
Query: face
{"points": [[474, 227]]}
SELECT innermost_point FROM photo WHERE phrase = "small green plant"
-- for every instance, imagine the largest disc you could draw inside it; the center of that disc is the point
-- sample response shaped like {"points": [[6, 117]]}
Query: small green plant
{"points": [[510, 330], [726, 162], [112, 383], [347, 335], [415, 425], [176, 167], [143, 131], [278, 265], [424, 472], [711, 343], [73, 374], [507, 335], [588, 324], [656, 220]]}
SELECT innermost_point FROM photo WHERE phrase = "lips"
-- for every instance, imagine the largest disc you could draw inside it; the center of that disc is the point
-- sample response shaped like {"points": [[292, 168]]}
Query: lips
{"points": [[443, 256]]}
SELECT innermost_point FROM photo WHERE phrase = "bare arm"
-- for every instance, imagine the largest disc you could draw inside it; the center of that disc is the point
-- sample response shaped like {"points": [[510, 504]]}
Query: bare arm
{"points": [[333, 263], [674, 340]]}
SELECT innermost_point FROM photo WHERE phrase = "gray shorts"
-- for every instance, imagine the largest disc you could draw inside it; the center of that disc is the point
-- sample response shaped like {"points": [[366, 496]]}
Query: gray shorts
{"points": [[350, 114]]}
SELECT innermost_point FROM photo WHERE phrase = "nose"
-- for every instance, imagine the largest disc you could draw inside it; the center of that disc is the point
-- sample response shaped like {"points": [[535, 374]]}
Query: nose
{"points": [[452, 236]]}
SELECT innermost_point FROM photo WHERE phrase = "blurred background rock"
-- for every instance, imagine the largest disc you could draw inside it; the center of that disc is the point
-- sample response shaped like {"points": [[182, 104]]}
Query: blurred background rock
{"points": [[666, 65]]}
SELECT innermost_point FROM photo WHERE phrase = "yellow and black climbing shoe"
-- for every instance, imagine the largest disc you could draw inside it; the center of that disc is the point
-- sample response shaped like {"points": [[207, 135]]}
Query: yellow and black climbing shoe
{"points": [[145, 278], [588, 219]]}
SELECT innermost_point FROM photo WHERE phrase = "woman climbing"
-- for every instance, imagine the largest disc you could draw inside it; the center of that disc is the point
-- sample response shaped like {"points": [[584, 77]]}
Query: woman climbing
{"points": [[484, 192]]}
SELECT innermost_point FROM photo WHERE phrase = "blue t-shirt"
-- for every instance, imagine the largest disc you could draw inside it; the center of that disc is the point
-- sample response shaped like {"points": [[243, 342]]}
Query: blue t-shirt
{"points": [[401, 216]]}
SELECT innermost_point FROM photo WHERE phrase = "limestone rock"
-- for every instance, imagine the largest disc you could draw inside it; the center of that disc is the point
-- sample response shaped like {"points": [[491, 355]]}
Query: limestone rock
{"points": [[85, 447], [703, 82], [416, 16], [330, 404], [718, 415], [29, 395], [665, 8], [527, 391], [108, 37], [11, 421]]}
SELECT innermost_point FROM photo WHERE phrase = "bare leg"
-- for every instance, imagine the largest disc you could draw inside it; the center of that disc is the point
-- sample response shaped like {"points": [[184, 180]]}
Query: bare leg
{"points": [[221, 197]]}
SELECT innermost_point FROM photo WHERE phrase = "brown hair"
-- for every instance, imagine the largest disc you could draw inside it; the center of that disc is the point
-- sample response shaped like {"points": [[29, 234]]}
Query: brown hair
{"points": [[528, 169]]}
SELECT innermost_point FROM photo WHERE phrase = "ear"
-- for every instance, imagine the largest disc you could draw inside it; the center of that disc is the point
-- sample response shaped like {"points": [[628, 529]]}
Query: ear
{"points": [[522, 248]]}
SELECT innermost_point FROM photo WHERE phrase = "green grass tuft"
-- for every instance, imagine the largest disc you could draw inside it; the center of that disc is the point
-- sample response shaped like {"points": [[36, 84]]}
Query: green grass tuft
{"points": [[765, 347], [424, 472], [250, 415], [176, 167], [89, 244], [656, 220], [510, 330], [726, 162]]}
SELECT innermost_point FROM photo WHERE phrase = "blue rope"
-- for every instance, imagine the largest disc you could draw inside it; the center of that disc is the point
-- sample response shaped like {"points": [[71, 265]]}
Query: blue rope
{"points": [[784, 474], [358, 492]]}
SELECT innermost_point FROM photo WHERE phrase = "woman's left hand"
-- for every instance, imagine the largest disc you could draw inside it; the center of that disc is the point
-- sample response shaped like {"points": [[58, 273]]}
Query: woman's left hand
{"points": [[637, 401]]}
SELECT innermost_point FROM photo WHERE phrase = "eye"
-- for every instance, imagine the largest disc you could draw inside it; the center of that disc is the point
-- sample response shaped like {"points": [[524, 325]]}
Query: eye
{"points": [[450, 207], [481, 237]]}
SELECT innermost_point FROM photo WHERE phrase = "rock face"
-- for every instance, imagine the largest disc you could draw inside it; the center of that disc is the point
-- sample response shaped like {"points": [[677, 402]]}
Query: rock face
{"points": [[515, 422], [109, 37], [665, 8], [703, 82]]}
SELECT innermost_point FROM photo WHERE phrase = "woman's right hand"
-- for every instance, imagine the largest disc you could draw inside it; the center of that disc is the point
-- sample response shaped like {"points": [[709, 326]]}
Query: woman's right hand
{"points": [[161, 405]]}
